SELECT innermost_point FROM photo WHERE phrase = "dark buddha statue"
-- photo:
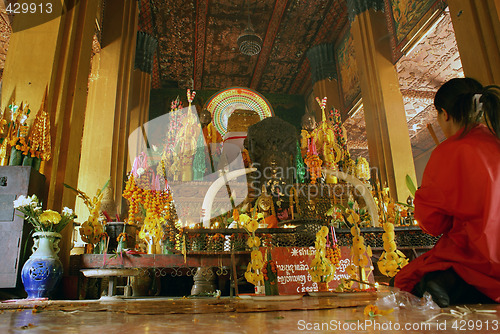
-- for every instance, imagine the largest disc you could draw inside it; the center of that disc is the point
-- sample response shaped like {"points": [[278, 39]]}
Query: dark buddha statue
{"points": [[205, 117]]}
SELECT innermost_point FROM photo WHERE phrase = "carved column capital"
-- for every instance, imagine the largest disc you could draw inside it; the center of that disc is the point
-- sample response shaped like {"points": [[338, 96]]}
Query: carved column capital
{"points": [[356, 7], [322, 61], [144, 51]]}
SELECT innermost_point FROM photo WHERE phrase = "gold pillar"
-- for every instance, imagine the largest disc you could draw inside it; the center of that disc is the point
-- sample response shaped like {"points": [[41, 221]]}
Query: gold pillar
{"points": [[107, 119], [386, 127], [55, 53], [477, 31]]}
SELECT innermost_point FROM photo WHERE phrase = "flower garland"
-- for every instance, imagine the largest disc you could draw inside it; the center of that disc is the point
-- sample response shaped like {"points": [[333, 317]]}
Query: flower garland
{"points": [[313, 162], [270, 273], [360, 255], [321, 269], [155, 203], [170, 233], [135, 196], [391, 260], [253, 274], [333, 253], [39, 137]]}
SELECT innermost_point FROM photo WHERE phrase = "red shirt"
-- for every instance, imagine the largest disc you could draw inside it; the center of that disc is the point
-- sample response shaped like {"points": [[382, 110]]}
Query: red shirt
{"points": [[460, 199]]}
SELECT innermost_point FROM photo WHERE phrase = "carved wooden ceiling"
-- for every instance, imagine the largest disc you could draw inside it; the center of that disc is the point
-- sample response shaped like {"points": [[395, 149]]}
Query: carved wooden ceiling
{"points": [[198, 41], [198, 48]]}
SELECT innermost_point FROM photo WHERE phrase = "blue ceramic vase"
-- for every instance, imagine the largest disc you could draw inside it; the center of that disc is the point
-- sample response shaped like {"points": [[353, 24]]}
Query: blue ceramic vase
{"points": [[43, 270]]}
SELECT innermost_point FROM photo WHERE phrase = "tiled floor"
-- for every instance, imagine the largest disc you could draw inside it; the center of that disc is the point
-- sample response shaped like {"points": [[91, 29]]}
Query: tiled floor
{"points": [[233, 315]]}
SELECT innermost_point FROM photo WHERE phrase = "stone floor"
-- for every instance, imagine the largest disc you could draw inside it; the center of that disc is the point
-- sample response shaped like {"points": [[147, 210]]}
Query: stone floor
{"points": [[343, 313]]}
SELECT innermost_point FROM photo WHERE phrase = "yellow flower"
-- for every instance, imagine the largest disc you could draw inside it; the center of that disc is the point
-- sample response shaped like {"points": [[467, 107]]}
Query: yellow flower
{"points": [[363, 261], [92, 220], [382, 266], [49, 216], [357, 239], [256, 255], [369, 251], [391, 265], [257, 265], [98, 229], [236, 215], [250, 277], [354, 230], [323, 231], [86, 229], [321, 252], [388, 227], [253, 242], [244, 218], [360, 248], [392, 273], [252, 226], [372, 311], [391, 256], [319, 243], [351, 270], [315, 261], [390, 246]]}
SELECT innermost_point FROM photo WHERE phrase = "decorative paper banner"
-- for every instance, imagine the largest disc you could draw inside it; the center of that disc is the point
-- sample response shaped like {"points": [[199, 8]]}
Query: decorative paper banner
{"points": [[292, 264], [222, 105]]}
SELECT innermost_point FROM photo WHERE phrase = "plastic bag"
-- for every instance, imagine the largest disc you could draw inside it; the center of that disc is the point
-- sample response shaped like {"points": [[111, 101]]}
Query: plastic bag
{"points": [[403, 299]]}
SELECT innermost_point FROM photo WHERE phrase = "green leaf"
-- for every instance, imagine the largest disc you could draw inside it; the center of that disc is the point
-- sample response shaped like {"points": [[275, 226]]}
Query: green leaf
{"points": [[70, 187], [410, 185], [330, 211], [105, 185]]}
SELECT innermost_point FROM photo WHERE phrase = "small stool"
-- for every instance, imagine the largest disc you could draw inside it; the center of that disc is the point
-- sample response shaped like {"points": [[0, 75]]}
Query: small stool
{"points": [[112, 275]]}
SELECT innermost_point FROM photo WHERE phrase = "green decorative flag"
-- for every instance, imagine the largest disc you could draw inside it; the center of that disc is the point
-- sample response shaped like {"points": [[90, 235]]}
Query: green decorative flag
{"points": [[299, 164], [199, 159]]}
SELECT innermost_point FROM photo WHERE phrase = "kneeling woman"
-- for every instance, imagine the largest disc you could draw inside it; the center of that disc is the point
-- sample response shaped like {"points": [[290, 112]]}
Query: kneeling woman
{"points": [[459, 198]]}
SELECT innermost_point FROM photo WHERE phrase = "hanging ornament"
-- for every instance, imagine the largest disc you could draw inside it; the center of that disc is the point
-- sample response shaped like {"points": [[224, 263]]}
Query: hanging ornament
{"points": [[39, 136]]}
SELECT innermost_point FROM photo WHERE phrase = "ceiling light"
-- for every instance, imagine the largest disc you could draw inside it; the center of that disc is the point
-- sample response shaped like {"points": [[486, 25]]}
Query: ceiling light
{"points": [[249, 42]]}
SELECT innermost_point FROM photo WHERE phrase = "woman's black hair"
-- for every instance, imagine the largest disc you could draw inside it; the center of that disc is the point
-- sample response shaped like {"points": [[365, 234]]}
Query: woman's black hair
{"points": [[466, 101]]}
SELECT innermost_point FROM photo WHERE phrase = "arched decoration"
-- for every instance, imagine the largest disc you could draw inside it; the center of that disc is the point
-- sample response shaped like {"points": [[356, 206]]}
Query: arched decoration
{"points": [[223, 103], [206, 207], [362, 190]]}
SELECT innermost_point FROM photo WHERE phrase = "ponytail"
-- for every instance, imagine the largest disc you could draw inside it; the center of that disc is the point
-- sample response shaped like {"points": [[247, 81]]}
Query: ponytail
{"points": [[489, 104]]}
